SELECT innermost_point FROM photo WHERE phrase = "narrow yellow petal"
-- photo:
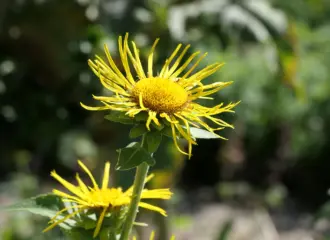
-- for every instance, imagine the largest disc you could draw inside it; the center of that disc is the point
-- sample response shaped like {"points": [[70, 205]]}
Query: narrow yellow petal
{"points": [[174, 136], [184, 66], [177, 62], [140, 224], [152, 235], [167, 117], [141, 102], [83, 166], [99, 223], [150, 118], [75, 190], [124, 59], [62, 220], [139, 67], [152, 208], [94, 108], [108, 77], [65, 195], [114, 67], [156, 194], [65, 209], [169, 60], [202, 74], [106, 176], [82, 185], [83, 203], [187, 134], [149, 178], [150, 58]]}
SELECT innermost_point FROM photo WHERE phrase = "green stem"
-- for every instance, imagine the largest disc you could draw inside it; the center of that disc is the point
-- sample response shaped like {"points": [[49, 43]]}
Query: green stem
{"points": [[112, 236], [107, 234], [139, 181]]}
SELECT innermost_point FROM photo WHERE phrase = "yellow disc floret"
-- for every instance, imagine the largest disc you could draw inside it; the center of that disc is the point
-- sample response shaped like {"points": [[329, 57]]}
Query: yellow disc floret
{"points": [[109, 197], [160, 94]]}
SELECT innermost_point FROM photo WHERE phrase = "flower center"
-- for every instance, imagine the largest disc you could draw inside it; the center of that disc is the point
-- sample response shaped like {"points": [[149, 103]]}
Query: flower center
{"points": [[160, 94], [107, 197]]}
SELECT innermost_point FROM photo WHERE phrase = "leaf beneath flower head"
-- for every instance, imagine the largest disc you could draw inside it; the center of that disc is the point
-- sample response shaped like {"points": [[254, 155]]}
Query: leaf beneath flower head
{"points": [[158, 127], [201, 133], [132, 156], [46, 205], [141, 117], [167, 131], [138, 130], [120, 117], [153, 141]]}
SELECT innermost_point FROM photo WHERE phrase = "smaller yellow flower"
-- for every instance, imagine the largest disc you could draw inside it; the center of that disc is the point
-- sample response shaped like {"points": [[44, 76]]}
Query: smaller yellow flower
{"points": [[102, 199]]}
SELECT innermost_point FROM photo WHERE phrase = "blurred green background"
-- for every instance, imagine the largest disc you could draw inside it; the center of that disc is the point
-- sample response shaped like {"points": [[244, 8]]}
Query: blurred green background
{"points": [[268, 181]]}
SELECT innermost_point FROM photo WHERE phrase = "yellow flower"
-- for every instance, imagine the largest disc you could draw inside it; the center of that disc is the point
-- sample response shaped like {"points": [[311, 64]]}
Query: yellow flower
{"points": [[102, 198], [170, 94]]}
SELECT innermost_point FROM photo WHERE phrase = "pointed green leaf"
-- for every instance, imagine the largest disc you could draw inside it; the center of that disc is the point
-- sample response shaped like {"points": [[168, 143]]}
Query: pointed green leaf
{"points": [[87, 222], [141, 117], [153, 140], [132, 156], [158, 127], [120, 117], [201, 133], [138, 130], [45, 205], [165, 122], [167, 131]]}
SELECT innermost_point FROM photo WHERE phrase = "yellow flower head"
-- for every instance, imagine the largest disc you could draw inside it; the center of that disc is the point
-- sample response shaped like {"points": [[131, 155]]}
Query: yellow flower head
{"points": [[102, 199], [170, 94]]}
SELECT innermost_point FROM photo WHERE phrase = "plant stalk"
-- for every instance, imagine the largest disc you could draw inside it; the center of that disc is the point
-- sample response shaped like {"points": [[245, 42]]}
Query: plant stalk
{"points": [[139, 181]]}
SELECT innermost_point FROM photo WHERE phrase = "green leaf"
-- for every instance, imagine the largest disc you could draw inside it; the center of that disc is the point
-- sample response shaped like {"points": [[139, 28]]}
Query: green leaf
{"points": [[153, 140], [46, 205], [138, 130], [158, 127], [132, 156], [141, 117], [120, 117], [201, 133], [165, 122], [87, 222], [167, 131]]}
